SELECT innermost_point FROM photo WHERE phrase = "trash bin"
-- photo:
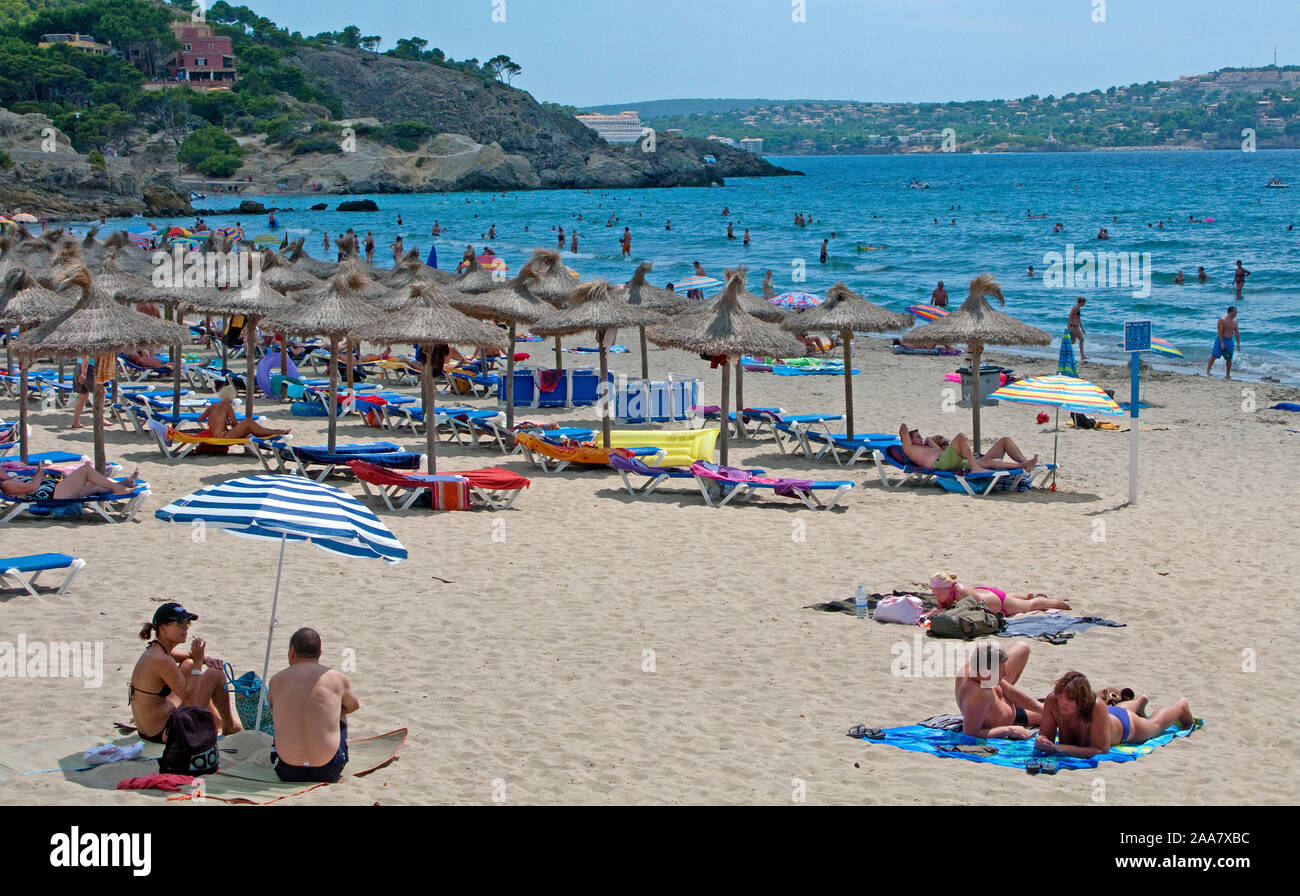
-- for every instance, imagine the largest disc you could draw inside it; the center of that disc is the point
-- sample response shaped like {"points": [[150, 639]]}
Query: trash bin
{"points": [[990, 382]]}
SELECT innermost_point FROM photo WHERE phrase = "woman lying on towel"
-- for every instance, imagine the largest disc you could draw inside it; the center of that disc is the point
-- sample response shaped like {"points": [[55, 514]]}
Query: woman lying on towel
{"points": [[947, 591], [1086, 726], [83, 482], [168, 676], [223, 423]]}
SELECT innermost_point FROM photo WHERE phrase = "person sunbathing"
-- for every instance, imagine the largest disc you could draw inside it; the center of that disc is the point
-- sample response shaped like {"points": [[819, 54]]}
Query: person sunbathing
{"points": [[45, 484], [990, 703], [223, 423], [168, 676], [145, 358], [310, 704], [937, 453], [947, 591], [1085, 726]]}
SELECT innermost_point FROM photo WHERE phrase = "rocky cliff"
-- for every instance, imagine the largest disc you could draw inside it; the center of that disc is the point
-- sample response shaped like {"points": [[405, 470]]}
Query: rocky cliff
{"points": [[48, 177], [502, 137]]}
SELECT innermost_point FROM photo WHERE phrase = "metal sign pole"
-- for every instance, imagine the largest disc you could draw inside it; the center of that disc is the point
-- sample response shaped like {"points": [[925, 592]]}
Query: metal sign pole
{"points": [[1135, 365], [1137, 339]]}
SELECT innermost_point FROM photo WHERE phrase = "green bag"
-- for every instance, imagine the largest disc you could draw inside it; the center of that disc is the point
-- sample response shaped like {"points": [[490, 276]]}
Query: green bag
{"points": [[967, 619]]}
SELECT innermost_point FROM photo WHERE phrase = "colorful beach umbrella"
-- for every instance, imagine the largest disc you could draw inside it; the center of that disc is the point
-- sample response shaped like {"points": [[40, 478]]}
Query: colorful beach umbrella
{"points": [[1164, 347], [284, 509], [797, 301], [266, 239], [24, 218], [928, 312], [489, 263], [696, 283], [1060, 392]]}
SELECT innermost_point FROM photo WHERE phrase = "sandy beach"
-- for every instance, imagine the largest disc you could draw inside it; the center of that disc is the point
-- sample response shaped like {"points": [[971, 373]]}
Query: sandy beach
{"points": [[588, 648]]}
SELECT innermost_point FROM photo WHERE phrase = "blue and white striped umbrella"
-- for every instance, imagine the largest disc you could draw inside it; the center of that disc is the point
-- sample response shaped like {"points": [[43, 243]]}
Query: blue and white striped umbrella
{"points": [[284, 509], [292, 508]]}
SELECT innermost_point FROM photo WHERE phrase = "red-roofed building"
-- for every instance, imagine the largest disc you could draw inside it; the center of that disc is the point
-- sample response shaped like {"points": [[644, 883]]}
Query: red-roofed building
{"points": [[203, 56]]}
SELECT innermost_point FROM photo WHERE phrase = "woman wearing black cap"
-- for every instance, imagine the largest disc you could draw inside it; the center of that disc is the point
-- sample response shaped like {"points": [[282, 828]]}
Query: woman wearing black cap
{"points": [[168, 676]]}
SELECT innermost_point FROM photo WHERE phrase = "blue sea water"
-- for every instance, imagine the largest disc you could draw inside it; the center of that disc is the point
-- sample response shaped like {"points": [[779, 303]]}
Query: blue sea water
{"points": [[864, 200]]}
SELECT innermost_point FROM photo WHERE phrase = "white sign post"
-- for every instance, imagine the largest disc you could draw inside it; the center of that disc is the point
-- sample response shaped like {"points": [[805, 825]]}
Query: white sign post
{"points": [[1137, 339]]}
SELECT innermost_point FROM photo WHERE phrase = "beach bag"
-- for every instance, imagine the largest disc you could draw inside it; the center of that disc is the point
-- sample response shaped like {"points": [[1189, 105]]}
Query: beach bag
{"points": [[966, 619], [191, 743], [900, 608], [247, 690]]}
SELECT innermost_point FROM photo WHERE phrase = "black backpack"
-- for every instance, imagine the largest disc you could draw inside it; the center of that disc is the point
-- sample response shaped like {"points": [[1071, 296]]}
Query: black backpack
{"points": [[191, 743], [968, 618]]}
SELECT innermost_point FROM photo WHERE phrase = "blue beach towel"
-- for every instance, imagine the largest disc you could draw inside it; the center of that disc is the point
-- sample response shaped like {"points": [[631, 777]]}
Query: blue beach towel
{"points": [[1285, 406], [1052, 624], [784, 370], [1015, 753]]}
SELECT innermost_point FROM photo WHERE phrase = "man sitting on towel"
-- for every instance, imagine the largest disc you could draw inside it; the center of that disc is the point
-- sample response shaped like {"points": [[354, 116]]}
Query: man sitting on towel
{"points": [[309, 705], [990, 703], [937, 453]]}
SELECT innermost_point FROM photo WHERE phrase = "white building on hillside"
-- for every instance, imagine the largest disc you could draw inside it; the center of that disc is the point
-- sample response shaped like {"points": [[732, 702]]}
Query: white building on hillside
{"points": [[622, 128]]}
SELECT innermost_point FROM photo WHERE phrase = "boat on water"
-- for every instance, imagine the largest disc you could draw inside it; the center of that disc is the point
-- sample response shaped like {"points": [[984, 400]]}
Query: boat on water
{"points": [[1276, 184], [195, 196], [917, 185]]}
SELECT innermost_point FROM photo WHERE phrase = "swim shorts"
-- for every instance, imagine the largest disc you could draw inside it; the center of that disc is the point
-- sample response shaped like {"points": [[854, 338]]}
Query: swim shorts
{"points": [[330, 771], [950, 460], [1223, 348]]}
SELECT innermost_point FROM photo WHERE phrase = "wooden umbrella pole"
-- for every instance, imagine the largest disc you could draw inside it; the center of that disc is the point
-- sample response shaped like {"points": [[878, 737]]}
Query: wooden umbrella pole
{"points": [[101, 458], [604, 391], [334, 390], [284, 353], [559, 355], [351, 372], [510, 379], [726, 403], [645, 356], [847, 338], [976, 351], [22, 411], [250, 346], [740, 399], [426, 402], [171, 313]]}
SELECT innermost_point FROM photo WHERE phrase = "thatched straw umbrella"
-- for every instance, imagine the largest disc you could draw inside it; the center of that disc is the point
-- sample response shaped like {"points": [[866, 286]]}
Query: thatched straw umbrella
{"points": [[25, 303], [643, 295], [352, 270], [728, 332], [254, 301], [314, 266], [281, 275], [333, 314], [98, 327], [975, 324], [513, 303], [754, 306], [476, 278], [845, 312], [595, 306], [427, 320], [410, 267], [552, 283]]}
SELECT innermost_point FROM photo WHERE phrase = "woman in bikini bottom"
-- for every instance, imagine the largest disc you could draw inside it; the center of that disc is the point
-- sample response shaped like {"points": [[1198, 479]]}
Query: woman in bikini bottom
{"points": [[947, 591]]}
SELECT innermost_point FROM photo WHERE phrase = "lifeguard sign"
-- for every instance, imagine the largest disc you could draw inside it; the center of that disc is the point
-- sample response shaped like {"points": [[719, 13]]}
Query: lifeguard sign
{"points": [[1137, 339]]}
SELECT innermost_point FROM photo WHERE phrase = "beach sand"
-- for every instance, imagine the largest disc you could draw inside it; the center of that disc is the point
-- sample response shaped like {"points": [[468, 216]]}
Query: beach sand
{"points": [[593, 649]]}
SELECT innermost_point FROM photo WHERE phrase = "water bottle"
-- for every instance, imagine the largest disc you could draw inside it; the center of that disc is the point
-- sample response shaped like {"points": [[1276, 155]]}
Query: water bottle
{"points": [[860, 601]]}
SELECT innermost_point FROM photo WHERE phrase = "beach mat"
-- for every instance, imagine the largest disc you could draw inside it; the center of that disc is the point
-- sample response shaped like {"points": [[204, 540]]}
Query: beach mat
{"points": [[246, 774], [1012, 753]]}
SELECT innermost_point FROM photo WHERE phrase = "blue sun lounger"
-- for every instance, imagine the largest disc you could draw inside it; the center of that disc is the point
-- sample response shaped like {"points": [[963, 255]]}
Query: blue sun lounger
{"points": [[24, 570], [653, 477], [843, 450], [968, 483], [723, 485], [112, 508], [381, 454]]}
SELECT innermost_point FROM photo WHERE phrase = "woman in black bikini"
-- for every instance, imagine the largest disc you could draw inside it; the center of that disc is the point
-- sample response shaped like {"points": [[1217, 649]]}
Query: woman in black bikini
{"points": [[83, 482], [167, 676]]}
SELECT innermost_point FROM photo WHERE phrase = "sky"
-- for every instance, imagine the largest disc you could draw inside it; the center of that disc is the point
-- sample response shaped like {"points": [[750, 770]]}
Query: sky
{"points": [[593, 52]]}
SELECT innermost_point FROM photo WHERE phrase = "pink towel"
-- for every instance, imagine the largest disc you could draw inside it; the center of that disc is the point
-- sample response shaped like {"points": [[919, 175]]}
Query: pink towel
{"points": [[549, 380]]}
